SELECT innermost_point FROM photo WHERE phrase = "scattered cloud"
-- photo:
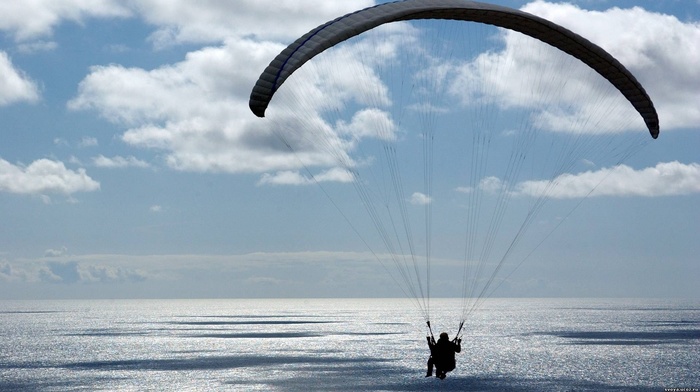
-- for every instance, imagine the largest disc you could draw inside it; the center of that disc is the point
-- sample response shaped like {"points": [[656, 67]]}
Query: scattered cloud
{"points": [[645, 42], [210, 21], [665, 179], [296, 178], [56, 252], [118, 162], [564, 93], [32, 20], [285, 178], [9, 273], [156, 208], [554, 90], [15, 86], [491, 184], [420, 199], [196, 111], [372, 123], [95, 273], [44, 176], [72, 272], [180, 21]]}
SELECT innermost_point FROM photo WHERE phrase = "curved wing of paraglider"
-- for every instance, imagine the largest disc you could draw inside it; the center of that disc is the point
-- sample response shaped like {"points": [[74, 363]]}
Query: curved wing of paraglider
{"points": [[350, 25]]}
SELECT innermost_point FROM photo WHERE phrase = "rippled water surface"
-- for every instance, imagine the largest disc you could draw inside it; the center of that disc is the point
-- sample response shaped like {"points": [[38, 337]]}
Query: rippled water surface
{"points": [[348, 345]]}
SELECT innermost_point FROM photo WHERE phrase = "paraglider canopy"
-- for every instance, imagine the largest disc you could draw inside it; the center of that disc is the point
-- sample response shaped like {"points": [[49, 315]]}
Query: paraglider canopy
{"points": [[345, 27]]}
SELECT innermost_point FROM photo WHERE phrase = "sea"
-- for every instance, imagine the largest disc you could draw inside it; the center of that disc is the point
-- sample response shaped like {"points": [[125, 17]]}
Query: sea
{"points": [[347, 345]]}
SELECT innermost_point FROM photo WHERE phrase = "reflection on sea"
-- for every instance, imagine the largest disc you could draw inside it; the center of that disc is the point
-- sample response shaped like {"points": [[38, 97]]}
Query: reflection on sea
{"points": [[348, 345]]}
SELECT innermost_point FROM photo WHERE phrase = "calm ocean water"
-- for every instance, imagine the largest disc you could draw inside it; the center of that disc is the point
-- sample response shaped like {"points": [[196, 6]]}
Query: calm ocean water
{"points": [[346, 345]]}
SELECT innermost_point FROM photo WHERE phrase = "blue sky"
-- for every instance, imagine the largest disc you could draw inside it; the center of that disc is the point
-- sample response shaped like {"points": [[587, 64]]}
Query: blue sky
{"points": [[127, 167]]}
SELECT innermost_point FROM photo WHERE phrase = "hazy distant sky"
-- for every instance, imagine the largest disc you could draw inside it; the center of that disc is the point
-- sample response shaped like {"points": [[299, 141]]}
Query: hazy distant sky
{"points": [[125, 170]]}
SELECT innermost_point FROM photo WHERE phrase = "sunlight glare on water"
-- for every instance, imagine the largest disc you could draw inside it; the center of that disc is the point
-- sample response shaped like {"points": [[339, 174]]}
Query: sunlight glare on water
{"points": [[346, 344]]}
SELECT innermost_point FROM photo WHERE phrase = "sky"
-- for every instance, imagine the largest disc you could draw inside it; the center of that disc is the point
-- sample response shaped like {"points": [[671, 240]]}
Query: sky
{"points": [[130, 166]]}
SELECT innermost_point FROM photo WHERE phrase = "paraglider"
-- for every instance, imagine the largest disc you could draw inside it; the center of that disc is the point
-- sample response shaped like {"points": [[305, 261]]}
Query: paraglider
{"points": [[442, 355], [571, 135]]}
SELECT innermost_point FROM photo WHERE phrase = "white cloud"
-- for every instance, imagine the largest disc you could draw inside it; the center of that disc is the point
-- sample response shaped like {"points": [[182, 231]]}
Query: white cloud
{"points": [[372, 123], [566, 95], [209, 21], [491, 184], [196, 110], [15, 86], [420, 199], [118, 162], [547, 87], [334, 175], [44, 176], [73, 272], [665, 179], [287, 177], [94, 273], [176, 21], [28, 20], [11, 273], [156, 208], [660, 50], [56, 252]]}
